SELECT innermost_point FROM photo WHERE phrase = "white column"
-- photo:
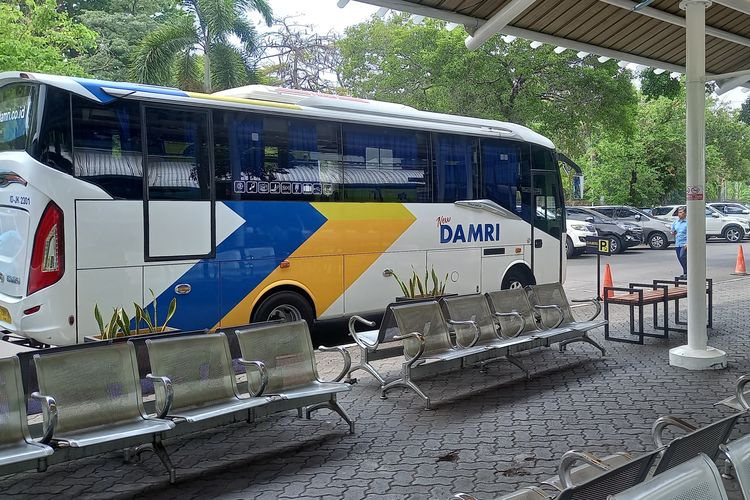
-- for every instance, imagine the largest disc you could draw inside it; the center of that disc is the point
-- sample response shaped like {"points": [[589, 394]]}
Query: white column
{"points": [[696, 355]]}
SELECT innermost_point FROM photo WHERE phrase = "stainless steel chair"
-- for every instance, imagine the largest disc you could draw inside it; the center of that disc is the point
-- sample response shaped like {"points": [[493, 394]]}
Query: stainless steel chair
{"points": [[696, 479], [426, 338], [91, 400], [16, 445], [468, 312], [555, 310], [287, 353], [194, 379]]}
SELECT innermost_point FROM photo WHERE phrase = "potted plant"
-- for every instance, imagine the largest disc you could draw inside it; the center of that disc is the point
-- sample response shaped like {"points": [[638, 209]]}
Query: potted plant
{"points": [[417, 288], [119, 325]]}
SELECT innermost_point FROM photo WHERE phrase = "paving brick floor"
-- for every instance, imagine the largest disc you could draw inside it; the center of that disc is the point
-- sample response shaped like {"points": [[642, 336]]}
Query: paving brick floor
{"points": [[487, 433]]}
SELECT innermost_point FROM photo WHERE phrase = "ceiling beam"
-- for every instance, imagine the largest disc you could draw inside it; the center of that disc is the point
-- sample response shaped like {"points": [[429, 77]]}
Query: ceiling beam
{"points": [[496, 23]]}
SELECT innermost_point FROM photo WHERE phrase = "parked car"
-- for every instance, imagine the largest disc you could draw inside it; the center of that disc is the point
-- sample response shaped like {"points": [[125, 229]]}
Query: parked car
{"points": [[731, 209], [621, 235], [717, 224], [657, 233], [577, 230]]}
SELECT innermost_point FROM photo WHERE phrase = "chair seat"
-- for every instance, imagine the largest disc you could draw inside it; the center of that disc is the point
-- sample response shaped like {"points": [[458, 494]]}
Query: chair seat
{"points": [[313, 389], [455, 353], [527, 493], [584, 326], [512, 342], [23, 451], [585, 472], [216, 409], [113, 432], [558, 334]]}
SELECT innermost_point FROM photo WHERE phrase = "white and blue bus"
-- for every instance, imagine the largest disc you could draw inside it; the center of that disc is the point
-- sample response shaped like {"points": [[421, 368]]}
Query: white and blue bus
{"points": [[255, 203]]}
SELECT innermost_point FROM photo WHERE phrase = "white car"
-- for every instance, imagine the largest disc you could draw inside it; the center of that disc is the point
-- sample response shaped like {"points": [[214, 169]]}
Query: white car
{"points": [[575, 243], [719, 225], [731, 209]]}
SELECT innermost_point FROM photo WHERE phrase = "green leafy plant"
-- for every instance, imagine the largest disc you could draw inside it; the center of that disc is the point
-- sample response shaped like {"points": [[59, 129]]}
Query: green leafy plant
{"points": [[430, 286], [119, 323]]}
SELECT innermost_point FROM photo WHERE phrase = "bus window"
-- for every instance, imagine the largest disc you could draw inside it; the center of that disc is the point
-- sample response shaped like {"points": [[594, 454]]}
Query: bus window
{"points": [[54, 142], [178, 154], [17, 103], [456, 167], [501, 173], [107, 145], [385, 165]]}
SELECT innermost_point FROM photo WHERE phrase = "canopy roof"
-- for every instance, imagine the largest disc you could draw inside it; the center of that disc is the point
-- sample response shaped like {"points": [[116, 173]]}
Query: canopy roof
{"points": [[651, 33]]}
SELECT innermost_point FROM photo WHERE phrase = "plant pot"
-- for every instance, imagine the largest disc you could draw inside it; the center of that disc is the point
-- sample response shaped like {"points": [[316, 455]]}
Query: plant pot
{"points": [[422, 298]]}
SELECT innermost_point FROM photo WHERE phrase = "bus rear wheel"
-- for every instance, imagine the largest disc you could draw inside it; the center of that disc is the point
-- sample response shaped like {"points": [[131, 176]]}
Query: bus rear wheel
{"points": [[284, 306], [517, 277]]}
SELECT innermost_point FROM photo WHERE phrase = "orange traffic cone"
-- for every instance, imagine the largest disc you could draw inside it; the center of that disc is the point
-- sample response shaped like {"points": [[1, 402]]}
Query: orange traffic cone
{"points": [[739, 267], [608, 281]]}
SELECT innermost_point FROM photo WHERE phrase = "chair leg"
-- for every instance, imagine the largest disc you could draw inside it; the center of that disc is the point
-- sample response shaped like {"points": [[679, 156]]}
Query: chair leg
{"points": [[133, 455], [514, 361], [584, 338], [332, 405], [299, 412], [369, 369], [404, 382], [161, 452]]}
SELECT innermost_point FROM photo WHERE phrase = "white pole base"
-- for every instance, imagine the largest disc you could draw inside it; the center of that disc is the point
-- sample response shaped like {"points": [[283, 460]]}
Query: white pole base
{"points": [[697, 359]]}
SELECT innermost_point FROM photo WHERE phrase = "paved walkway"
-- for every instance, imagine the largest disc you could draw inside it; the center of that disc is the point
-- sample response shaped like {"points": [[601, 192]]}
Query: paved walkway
{"points": [[488, 434]]}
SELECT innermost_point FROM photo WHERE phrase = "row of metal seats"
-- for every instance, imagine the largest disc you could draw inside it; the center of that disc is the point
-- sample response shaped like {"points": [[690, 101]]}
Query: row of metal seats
{"points": [[478, 328], [681, 469], [92, 401]]}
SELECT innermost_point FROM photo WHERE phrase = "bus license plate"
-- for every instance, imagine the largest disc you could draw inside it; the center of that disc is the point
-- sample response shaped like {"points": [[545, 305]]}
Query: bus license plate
{"points": [[4, 315]]}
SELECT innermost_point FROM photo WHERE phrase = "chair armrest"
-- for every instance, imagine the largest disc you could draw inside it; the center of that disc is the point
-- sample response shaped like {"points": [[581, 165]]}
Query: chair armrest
{"points": [[263, 376], [664, 422], [422, 345], [49, 406], [512, 314], [168, 391], [740, 391], [555, 307], [347, 360], [584, 302], [473, 324], [571, 457], [360, 341]]}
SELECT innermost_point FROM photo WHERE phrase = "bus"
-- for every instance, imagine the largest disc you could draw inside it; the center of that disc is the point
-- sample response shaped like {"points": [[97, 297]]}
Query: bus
{"points": [[255, 203]]}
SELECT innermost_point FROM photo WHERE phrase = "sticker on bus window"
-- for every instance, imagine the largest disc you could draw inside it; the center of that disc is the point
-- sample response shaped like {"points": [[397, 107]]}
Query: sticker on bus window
{"points": [[296, 188], [263, 187], [239, 186], [252, 187], [286, 188], [275, 188]]}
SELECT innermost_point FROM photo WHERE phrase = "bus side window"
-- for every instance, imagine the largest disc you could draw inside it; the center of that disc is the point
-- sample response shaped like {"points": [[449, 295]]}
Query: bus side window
{"points": [[455, 165], [55, 150], [501, 165]]}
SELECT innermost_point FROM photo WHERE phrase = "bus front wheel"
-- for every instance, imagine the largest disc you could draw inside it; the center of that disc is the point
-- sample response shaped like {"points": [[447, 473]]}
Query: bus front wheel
{"points": [[284, 306]]}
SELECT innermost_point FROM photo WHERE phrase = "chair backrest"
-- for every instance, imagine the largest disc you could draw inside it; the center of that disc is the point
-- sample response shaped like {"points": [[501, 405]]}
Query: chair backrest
{"points": [[515, 300], [91, 386], [286, 350], [425, 318], [697, 479], [471, 308], [612, 481], [200, 368], [551, 294], [705, 440], [13, 425], [738, 452]]}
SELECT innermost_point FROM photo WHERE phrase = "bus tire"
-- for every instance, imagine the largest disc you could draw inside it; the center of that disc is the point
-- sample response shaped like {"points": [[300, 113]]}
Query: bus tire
{"points": [[517, 277], [284, 305]]}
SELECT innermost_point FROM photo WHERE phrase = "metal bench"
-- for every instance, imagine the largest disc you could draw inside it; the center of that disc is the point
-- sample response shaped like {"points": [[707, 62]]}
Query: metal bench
{"points": [[292, 375], [475, 309], [194, 379], [513, 306], [640, 295], [555, 309], [91, 403], [427, 342], [695, 478], [17, 450], [375, 344]]}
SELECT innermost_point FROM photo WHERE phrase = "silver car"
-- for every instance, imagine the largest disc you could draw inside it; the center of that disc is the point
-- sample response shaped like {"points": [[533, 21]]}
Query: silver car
{"points": [[656, 233]]}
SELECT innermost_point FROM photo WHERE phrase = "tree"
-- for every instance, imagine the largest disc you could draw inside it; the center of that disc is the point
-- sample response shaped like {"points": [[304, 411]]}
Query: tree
{"points": [[663, 85], [168, 54], [744, 114], [567, 98], [36, 37], [294, 56]]}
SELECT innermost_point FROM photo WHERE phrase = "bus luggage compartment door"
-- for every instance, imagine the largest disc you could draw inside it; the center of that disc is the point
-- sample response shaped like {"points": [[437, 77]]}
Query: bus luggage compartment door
{"points": [[180, 229]]}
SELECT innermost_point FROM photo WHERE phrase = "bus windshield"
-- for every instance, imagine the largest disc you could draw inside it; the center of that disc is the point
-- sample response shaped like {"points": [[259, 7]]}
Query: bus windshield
{"points": [[16, 103]]}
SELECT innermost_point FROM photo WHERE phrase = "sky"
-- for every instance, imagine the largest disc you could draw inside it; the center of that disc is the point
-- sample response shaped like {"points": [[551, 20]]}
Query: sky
{"points": [[325, 16]]}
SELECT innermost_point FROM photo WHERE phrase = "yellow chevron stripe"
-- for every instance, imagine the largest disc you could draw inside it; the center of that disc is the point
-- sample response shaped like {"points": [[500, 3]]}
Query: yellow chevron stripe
{"points": [[240, 100]]}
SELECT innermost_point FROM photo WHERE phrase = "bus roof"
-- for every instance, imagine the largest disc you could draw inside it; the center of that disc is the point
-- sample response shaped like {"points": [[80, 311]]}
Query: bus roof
{"points": [[291, 101]]}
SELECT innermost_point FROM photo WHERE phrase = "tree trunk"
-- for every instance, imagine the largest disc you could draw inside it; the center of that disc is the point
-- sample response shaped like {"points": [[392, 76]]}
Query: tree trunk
{"points": [[206, 66]]}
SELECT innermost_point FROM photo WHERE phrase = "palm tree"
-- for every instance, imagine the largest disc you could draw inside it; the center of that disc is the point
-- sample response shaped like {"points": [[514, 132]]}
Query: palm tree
{"points": [[170, 53]]}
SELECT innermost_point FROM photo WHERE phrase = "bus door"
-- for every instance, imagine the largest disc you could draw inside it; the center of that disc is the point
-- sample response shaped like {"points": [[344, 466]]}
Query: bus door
{"points": [[548, 226], [179, 200]]}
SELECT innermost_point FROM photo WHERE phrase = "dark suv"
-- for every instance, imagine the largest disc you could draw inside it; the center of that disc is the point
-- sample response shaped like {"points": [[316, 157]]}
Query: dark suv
{"points": [[656, 232], [622, 235]]}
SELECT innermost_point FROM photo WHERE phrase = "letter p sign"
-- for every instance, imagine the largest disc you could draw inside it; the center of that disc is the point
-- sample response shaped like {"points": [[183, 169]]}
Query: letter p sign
{"points": [[604, 246]]}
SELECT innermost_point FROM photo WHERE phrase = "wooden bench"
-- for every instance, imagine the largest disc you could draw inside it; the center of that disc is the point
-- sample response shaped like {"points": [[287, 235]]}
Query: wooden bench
{"points": [[639, 295]]}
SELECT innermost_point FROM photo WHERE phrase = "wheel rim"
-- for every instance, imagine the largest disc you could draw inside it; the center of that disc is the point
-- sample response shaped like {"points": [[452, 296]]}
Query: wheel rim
{"points": [[733, 235], [657, 241], [515, 284], [614, 245], [285, 313]]}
